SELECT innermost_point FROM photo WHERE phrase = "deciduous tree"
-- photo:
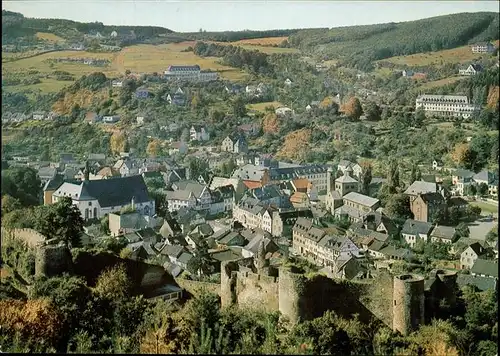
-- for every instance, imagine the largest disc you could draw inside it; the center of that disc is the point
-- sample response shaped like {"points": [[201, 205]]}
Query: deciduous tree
{"points": [[352, 108]]}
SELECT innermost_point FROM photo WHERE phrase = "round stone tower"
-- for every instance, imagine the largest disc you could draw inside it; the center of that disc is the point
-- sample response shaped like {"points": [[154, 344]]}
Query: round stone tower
{"points": [[291, 286], [408, 303], [228, 283], [449, 280]]}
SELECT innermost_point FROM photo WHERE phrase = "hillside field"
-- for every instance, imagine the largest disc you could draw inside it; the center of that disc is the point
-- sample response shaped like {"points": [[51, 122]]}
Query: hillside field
{"points": [[263, 45], [46, 36], [456, 55], [140, 59], [261, 107]]}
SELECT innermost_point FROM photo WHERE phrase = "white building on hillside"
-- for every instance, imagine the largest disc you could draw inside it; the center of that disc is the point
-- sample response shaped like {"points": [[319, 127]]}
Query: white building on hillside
{"points": [[446, 105]]}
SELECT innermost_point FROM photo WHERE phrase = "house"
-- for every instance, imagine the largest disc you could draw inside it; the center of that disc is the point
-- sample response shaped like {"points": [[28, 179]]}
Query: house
{"points": [[485, 268], [178, 147], [376, 221], [126, 167], [200, 233], [356, 206], [483, 47], [50, 187], [46, 173], [188, 194], [312, 105], [445, 234], [198, 133], [284, 111], [140, 119], [110, 119], [461, 179], [234, 143], [178, 98], [469, 256], [311, 242], [237, 184], [484, 177], [425, 207], [472, 69], [96, 198], [437, 165], [189, 73], [397, 254], [414, 230], [113, 34], [407, 73], [142, 93], [288, 82], [249, 129], [117, 83], [124, 223], [233, 89], [38, 115], [231, 238], [170, 228]]}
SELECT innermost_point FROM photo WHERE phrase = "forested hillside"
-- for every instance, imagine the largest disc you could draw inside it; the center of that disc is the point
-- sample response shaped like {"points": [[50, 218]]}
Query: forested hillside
{"points": [[15, 25], [359, 46]]}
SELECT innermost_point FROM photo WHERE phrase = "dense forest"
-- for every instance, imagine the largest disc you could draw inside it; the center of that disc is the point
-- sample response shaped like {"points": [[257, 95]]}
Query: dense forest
{"points": [[231, 36], [15, 25], [359, 46], [235, 56]]}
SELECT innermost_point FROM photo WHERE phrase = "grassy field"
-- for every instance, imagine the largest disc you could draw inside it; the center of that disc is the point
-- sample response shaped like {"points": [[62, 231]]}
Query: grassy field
{"points": [[49, 37], [261, 45], [262, 106], [440, 82], [485, 207], [266, 41], [140, 58], [455, 55], [149, 58]]}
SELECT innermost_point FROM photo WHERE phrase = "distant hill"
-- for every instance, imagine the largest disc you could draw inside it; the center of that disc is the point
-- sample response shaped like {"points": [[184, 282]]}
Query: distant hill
{"points": [[360, 46], [15, 25]]}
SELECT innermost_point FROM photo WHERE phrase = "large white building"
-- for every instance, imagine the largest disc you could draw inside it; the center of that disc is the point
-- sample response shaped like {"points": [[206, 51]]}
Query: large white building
{"points": [[96, 198], [191, 73], [446, 105]]}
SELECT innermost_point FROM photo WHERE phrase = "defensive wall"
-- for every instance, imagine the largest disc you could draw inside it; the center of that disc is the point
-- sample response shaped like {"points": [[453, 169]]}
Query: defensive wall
{"points": [[400, 302]]}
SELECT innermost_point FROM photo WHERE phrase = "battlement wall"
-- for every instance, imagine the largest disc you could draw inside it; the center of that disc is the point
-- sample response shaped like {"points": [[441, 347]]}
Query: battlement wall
{"points": [[195, 288], [30, 237]]}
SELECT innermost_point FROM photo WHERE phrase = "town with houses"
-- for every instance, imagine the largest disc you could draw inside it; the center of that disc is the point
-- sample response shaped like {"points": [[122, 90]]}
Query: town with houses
{"points": [[232, 211]]}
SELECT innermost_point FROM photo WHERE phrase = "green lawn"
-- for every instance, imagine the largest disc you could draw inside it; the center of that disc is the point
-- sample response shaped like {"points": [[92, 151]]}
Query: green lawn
{"points": [[486, 208]]}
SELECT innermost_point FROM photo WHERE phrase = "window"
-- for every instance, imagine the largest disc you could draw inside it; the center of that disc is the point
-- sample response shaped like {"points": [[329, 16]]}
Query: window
{"points": [[90, 203]]}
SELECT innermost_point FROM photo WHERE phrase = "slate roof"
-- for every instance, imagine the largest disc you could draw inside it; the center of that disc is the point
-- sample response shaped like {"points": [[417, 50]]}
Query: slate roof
{"points": [[350, 211], [486, 267], [432, 198], [482, 283], [47, 172], [463, 173], [190, 186], [54, 183], [376, 245], [226, 255], [391, 251], [228, 238], [172, 250], [414, 227], [361, 199], [443, 232], [177, 195], [115, 192], [185, 257], [421, 187]]}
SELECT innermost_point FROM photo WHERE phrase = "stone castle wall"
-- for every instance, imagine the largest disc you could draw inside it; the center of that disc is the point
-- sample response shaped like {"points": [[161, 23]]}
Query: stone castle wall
{"points": [[50, 260], [256, 290], [195, 288]]}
